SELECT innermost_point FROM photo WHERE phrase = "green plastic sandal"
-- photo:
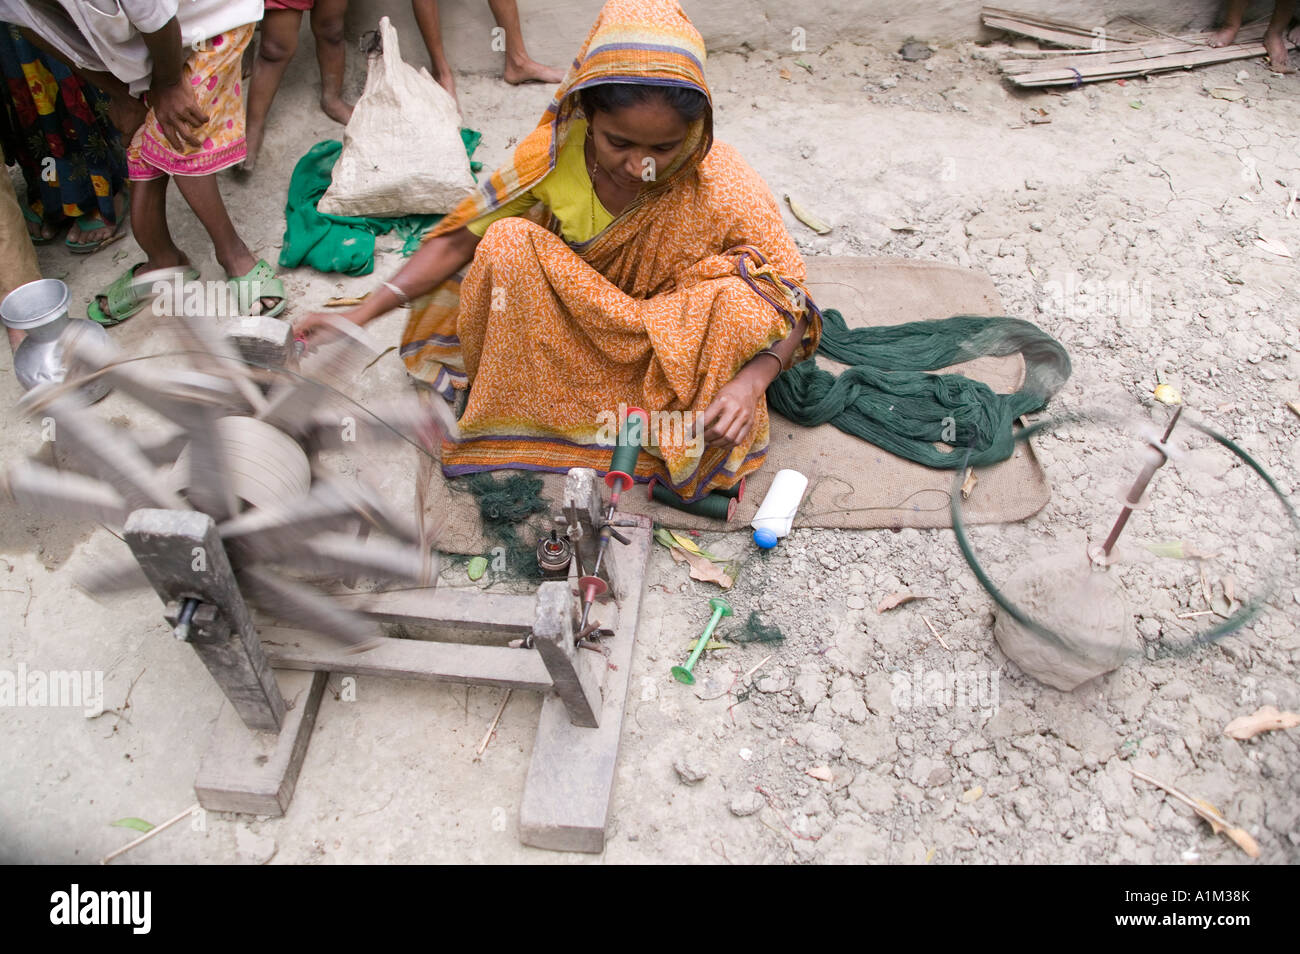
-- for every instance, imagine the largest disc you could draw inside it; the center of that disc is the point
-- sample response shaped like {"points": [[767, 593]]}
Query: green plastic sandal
{"points": [[259, 283], [127, 295]]}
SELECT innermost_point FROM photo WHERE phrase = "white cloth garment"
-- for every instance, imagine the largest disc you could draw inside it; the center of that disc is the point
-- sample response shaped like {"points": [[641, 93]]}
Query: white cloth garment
{"points": [[106, 35]]}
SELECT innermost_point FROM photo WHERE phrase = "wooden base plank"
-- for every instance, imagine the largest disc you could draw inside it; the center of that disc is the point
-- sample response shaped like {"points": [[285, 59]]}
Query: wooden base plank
{"points": [[255, 772], [570, 781], [289, 648]]}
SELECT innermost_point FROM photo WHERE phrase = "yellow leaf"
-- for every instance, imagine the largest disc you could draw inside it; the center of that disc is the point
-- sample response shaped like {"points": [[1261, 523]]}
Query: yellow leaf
{"points": [[686, 543]]}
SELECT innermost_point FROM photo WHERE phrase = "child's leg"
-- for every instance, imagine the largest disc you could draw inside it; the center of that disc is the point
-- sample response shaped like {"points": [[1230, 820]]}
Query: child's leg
{"points": [[327, 27], [520, 67], [1233, 10], [149, 224], [279, 42], [204, 197], [426, 15], [1275, 37]]}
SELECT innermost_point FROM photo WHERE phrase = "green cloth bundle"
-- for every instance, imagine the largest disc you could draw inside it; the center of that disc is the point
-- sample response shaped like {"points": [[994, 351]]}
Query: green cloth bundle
{"points": [[887, 397]]}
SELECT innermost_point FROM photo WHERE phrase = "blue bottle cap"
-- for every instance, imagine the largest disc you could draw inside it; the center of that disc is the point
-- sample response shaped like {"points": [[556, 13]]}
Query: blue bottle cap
{"points": [[765, 538]]}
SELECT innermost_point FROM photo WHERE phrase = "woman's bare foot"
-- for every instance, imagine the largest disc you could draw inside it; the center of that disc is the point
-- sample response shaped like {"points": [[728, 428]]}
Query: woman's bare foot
{"points": [[101, 234], [530, 71], [1279, 60], [336, 109], [41, 231], [1224, 36]]}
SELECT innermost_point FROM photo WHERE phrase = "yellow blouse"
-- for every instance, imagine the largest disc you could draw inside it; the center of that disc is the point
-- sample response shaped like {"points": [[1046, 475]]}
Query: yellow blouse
{"points": [[566, 190]]}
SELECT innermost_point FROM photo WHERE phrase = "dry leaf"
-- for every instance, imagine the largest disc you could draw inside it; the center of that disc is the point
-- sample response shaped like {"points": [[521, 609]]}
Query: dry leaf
{"points": [[702, 568], [807, 218], [1228, 93], [969, 483], [821, 773], [1178, 550], [785, 74], [1272, 245], [898, 599], [1295, 407], [1244, 841], [1208, 812], [1265, 719], [344, 302], [972, 794]]}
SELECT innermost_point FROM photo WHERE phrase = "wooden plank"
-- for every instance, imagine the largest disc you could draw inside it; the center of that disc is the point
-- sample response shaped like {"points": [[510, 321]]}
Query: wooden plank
{"points": [[182, 557], [506, 613], [553, 637], [1066, 76], [427, 660], [256, 772], [570, 783]]}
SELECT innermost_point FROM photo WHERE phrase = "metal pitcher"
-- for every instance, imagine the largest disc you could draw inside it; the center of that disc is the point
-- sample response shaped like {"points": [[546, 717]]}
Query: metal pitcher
{"points": [[40, 309]]}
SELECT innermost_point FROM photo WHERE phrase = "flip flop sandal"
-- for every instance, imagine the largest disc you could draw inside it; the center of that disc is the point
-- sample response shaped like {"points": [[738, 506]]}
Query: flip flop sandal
{"points": [[129, 292], [35, 219], [88, 223], [259, 283]]}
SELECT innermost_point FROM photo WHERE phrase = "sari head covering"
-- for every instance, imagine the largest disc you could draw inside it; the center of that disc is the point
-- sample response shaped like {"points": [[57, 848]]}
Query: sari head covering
{"points": [[639, 42]]}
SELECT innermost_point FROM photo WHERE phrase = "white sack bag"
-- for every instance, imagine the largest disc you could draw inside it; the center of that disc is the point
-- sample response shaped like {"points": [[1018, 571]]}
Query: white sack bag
{"points": [[402, 151]]}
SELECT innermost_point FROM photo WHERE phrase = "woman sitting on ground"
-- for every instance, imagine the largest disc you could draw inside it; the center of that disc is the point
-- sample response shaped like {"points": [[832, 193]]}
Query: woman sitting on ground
{"points": [[653, 270]]}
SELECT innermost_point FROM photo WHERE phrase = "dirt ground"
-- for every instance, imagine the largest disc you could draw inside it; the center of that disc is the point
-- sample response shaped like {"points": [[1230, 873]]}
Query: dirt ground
{"points": [[1123, 219]]}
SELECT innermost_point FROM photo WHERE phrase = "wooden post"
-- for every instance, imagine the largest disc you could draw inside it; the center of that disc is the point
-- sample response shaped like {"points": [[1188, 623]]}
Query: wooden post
{"points": [[182, 557], [553, 640], [571, 775]]}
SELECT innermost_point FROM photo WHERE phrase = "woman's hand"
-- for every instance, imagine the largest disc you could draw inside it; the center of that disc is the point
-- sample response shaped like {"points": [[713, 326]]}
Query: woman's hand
{"points": [[729, 418], [317, 326]]}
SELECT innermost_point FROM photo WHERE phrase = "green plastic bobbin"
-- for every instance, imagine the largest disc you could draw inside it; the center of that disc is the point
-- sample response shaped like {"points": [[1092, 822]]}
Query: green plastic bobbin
{"points": [[685, 673]]}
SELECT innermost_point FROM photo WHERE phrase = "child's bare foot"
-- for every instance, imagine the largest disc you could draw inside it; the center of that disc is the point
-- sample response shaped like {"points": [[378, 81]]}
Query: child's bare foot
{"points": [[1224, 36], [530, 71], [1278, 57], [336, 109], [447, 81]]}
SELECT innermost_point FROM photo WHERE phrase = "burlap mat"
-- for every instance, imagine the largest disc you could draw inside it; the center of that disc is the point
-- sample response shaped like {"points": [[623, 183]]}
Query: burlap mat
{"points": [[851, 484]]}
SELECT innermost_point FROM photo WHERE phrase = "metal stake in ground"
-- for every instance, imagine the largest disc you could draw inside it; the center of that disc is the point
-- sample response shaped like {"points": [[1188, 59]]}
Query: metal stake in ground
{"points": [[686, 673], [1101, 555]]}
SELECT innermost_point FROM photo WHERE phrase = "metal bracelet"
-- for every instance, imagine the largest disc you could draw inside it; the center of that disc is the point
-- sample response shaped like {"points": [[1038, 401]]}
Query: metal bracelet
{"points": [[402, 299], [780, 363]]}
